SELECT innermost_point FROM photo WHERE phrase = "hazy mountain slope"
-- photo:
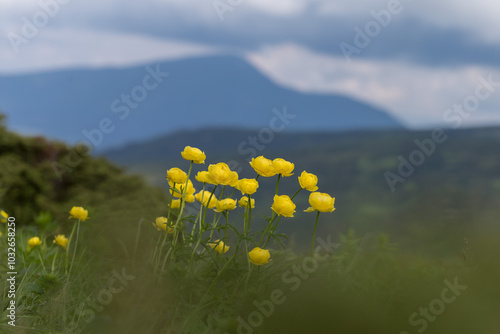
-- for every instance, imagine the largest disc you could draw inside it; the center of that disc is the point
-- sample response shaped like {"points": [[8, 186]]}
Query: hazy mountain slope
{"points": [[196, 93]]}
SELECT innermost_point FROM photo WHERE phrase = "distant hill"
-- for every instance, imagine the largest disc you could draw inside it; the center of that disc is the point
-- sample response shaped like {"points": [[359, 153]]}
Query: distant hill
{"points": [[453, 194], [143, 102]]}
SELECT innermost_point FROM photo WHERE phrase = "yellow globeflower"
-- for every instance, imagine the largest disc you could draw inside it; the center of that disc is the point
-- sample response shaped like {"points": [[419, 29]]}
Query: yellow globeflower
{"points": [[204, 196], [321, 202], [194, 154], [263, 167], [204, 177], [219, 246], [3, 216], [179, 187], [35, 241], [259, 256], [225, 204], [283, 167], [78, 212], [190, 198], [247, 186], [161, 223], [221, 174], [283, 206], [243, 202], [176, 204], [176, 175], [308, 181], [61, 240]]}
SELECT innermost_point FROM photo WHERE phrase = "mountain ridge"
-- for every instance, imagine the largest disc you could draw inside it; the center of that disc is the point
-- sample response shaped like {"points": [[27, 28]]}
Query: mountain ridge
{"points": [[143, 102]]}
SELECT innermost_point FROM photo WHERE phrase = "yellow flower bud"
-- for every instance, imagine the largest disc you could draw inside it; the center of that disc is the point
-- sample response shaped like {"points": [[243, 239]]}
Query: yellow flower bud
{"points": [[204, 196], [283, 206], [161, 223], [3, 216], [283, 167], [221, 174], [78, 212], [61, 240], [308, 181], [35, 241], [247, 186], [259, 256], [176, 175], [219, 246], [225, 204], [204, 177], [176, 204], [321, 202], [243, 202], [194, 154], [263, 167]]}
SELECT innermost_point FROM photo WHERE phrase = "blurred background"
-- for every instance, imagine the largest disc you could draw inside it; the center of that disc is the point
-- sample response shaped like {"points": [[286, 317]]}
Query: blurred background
{"points": [[395, 105]]}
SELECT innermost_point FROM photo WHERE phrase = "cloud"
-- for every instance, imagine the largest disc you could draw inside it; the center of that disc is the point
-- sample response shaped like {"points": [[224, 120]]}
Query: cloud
{"points": [[419, 95], [67, 49], [440, 33]]}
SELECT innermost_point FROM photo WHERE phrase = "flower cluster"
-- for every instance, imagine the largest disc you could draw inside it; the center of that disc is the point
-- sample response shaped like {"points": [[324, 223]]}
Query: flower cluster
{"points": [[219, 176]]}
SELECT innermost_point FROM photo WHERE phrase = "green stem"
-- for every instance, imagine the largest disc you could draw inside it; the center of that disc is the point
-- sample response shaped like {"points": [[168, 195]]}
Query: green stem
{"points": [[314, 234], [54, 260], [183, 204], [249, 206], [226, 214], [267, 230], [67, 248], [74, 249], [199, 214], [278, 184], [296, 193], [41, 260], [272, 232]]}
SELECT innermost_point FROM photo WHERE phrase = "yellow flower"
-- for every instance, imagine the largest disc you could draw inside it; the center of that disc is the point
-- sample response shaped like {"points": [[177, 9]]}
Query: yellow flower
{"points": [[219, 246], [283, 167], [283, 206], [204, 177], [176, 204], [221, 174], [35, 241], [321, 202], [176, 175], [178, 186], [263, 167], [0, 233], [61, 240], [308, 181], [225, 204], [161, 224], [247, 186], [3, 216], [243, 202], [190, 198], [259, 256], [78, 212], [204, 196], [194, 154]]}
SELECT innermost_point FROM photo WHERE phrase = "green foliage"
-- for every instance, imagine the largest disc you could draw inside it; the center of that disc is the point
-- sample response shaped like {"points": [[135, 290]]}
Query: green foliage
{"points": [[38, 175]]}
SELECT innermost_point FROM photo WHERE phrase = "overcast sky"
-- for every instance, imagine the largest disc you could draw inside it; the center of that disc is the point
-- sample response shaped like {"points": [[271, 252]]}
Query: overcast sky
{"points": [[420, 59]]}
